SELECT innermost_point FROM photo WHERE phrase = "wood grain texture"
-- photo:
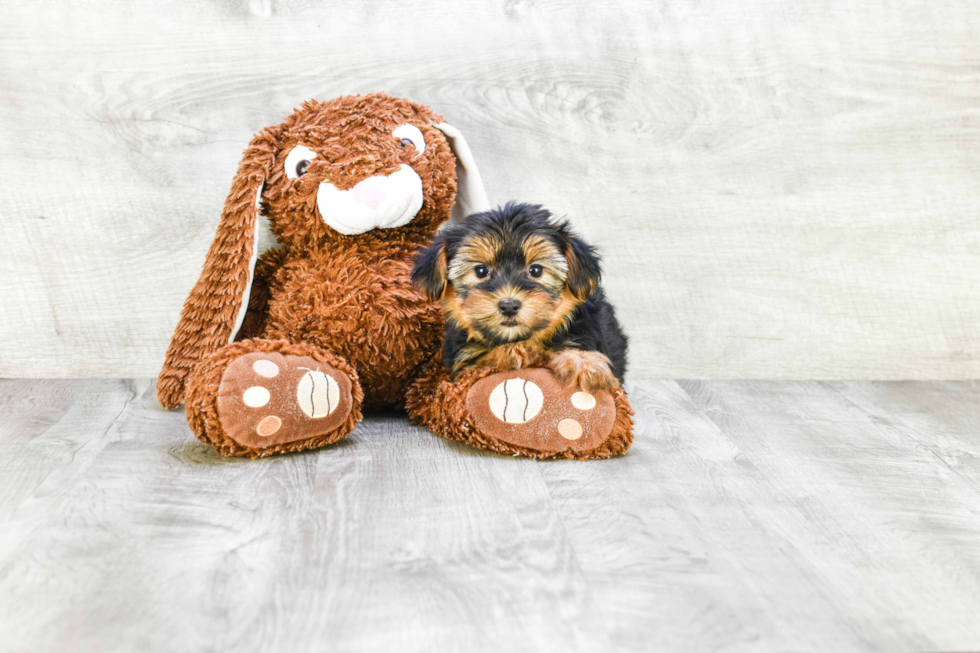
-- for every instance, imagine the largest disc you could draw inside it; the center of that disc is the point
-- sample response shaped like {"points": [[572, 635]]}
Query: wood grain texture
{"points": [[748, 516], [781, 189]]}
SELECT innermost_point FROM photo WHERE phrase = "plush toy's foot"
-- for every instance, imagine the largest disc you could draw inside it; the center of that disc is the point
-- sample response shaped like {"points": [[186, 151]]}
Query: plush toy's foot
{"points": [[532, 411], [259, 397], [266, 399], [528, 412]]}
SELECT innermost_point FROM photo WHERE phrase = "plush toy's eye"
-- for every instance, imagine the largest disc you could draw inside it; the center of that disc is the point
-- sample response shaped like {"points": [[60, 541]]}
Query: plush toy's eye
{"points": [[481, 271], [535, 270], [298, 160], [410, 135]]}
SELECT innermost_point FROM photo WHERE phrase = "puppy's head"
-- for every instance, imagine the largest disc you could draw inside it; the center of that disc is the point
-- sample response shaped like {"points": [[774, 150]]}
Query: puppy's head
{"points": [[509, 274]]}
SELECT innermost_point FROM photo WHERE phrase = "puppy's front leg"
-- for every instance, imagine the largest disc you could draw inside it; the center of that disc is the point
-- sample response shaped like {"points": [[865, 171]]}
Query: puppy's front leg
{"points": [[588, 370], [515, 356]]}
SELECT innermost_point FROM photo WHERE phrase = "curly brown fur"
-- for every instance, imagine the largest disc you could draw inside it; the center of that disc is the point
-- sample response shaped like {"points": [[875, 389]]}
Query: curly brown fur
{"points": [[513, 281]]}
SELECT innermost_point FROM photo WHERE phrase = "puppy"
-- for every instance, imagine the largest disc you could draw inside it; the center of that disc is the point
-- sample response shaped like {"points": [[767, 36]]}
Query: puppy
{"points": [[522, 290]]}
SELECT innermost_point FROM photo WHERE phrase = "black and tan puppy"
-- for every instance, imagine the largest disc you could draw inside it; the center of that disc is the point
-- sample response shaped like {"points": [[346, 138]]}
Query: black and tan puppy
{"points": [[522, 290]]}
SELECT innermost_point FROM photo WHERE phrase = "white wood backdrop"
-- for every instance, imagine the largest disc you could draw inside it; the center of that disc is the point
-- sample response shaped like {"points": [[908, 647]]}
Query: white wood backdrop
{"points": [[781, 188]]}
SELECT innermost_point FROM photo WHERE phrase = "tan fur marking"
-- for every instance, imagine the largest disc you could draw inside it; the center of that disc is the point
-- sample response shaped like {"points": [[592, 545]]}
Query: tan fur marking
{"points": [[574, 266], [467, 355], [479, 249], [441, 272], [539, 249], [562, 313]]}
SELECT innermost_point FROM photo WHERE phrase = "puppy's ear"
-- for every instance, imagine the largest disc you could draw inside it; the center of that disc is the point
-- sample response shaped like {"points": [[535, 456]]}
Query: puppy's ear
{"points": [[470, 194], [584, 269], [216, 307], [431, 268]]}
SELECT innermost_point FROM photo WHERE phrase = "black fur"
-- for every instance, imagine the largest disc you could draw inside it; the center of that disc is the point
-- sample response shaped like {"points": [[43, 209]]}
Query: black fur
{"points": [[429, 273], [592, 326]]}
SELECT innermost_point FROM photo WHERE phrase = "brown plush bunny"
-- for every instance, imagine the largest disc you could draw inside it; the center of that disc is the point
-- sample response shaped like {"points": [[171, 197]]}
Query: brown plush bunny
{"points": [[283, 351]]}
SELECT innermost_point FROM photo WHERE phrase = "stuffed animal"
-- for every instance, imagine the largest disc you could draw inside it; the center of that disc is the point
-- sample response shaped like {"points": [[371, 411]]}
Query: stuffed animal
{"points": [[283, 350]]}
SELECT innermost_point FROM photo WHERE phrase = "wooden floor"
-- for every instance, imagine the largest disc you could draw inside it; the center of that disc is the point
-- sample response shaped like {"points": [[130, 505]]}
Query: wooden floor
{"points": [[748, 516]]}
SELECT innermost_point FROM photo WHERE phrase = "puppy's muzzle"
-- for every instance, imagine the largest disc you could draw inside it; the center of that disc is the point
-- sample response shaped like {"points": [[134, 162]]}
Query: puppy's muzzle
{"points": [[378, 202]]}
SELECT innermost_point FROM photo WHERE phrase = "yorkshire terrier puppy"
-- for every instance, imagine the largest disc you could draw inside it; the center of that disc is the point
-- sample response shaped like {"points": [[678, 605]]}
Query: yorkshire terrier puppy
{"points": [[522, 290]]}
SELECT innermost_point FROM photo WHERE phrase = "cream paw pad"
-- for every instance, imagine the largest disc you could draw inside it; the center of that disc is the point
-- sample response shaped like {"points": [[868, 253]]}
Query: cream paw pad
{"points": [[266, 398], [530, 408]]}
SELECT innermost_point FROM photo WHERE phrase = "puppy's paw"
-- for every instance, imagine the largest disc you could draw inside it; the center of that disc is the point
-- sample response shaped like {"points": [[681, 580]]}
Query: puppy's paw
{"points": [[588, 370], [515, 356]]}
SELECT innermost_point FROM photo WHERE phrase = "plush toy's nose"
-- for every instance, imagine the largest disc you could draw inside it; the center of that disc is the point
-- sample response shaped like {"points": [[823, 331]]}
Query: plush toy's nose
{"points": [[370, 191]]}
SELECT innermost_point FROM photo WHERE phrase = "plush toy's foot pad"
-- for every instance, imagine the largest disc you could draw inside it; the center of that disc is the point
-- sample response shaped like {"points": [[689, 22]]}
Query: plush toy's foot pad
{"points": [[266, 398], [532, 409]]}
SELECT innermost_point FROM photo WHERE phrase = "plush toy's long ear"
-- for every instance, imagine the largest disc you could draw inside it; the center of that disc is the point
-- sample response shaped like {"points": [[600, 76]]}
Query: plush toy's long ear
{"points": [[216, 307], [470, 195]]}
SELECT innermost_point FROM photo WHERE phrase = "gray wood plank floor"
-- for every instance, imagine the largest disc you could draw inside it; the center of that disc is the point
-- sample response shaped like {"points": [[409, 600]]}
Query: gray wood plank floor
{"points": [[802, 516]]}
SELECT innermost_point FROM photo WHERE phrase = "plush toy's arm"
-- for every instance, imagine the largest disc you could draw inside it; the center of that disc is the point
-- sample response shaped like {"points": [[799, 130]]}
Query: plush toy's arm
{"points": [[258, 300]]}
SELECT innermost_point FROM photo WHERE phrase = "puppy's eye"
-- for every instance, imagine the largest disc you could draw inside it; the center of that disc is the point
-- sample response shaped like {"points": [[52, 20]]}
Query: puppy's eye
{"points": [[481, 271], [298, 160], [535, 271], [410, 135]]}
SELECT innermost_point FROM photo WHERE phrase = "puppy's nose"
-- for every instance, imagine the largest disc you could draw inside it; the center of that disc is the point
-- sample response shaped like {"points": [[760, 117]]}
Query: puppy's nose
{"points": [[509, 307]]}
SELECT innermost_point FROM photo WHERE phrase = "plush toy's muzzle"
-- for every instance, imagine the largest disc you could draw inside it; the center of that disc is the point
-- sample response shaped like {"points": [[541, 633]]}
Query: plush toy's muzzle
{"points": [[378, 202]]}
